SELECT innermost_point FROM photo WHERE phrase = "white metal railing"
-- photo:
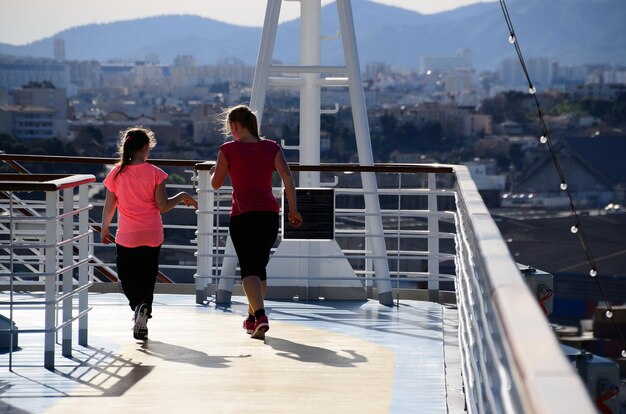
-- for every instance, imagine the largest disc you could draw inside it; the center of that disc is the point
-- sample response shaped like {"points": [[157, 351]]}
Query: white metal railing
{"points": [[512, 361], [47, 240], [411, 211], [439, 236]]}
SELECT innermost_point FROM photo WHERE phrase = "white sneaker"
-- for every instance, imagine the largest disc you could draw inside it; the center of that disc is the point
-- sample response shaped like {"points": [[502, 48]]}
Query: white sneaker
{"points": [[140, 329]]}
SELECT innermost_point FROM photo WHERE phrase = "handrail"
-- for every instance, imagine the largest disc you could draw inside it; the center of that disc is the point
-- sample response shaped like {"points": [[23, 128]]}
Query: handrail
{"points": [[206, 165], [42, 182], [351, 167], [512, 361], [24, 175]]}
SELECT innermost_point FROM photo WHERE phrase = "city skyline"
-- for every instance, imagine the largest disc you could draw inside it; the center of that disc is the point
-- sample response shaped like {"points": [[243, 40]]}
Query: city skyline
{"points": [[48, 18]]}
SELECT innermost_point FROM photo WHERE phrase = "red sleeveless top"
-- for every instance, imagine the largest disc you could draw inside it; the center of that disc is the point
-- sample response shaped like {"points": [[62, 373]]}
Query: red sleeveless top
{"points": [[250, 167]]}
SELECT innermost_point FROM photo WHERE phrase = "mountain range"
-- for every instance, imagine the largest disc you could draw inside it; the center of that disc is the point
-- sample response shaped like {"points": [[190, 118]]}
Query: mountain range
{"points": [[572, 31]]}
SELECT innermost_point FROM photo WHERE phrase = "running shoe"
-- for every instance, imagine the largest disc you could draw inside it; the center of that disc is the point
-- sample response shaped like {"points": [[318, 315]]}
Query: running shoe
{"points": [[140, 329], [260, 327], [248, 325]]}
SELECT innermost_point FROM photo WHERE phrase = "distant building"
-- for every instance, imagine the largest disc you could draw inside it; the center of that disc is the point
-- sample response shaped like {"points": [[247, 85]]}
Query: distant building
{"points": [[476, 125], [58, 46], [27, 122], [540, 71], [489, 184], [15, 73], [124, 76], [112, 123], [85, 75], [39, 110], [463, 59], [373, 69], [510, 128], [206, 124], [599, 91], [593, 167]]}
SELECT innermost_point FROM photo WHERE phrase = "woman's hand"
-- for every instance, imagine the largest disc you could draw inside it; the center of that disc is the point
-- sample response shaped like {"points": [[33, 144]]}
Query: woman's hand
{"points": [[189, 201], [295, 219], [105, 236]]}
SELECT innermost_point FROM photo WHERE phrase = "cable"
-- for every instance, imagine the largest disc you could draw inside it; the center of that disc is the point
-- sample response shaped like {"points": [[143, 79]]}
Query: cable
{"points": [[577, 227], [543, 299], [601, 406]]}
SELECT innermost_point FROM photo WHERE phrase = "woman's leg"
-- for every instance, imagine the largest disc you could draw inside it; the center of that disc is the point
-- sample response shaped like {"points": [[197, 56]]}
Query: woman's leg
{"points": [[137, 268], [263, 293], [128, 270], [253, 289], [253, 235], [149, 273]]}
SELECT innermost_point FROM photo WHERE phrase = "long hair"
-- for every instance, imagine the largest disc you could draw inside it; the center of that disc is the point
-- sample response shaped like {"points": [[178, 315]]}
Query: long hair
{"points": [[130, 141], [242, 115]]}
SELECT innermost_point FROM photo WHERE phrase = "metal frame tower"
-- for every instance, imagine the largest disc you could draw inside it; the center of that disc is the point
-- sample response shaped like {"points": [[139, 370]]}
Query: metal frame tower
{"points": [[307, 76]]}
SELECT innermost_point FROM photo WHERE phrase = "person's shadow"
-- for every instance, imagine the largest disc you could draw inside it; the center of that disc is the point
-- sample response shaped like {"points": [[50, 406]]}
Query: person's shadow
{"points": [[307, 353], [180, 354]]}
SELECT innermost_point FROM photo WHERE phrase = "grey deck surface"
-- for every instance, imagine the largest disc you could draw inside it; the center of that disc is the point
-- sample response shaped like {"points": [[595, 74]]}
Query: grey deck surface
{"points": [[334, 357]]}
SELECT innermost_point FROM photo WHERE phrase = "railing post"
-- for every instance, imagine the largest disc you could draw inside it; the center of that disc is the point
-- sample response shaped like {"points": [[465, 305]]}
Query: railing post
{"points": [[68, 279], [433, 240], [205, 235], [84, 251], [52, 204]]}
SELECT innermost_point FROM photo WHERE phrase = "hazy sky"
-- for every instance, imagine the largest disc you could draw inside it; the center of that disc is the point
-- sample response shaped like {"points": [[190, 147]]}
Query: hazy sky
{"points": [[23, 21]]}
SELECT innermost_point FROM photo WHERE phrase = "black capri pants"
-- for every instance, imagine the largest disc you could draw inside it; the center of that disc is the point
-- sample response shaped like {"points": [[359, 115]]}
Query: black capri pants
{"points": [[253, 235], [137, 268]]}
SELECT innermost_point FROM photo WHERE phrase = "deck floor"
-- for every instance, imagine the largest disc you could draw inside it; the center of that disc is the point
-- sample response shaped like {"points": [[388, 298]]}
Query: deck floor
{"points": [[336, 357]]}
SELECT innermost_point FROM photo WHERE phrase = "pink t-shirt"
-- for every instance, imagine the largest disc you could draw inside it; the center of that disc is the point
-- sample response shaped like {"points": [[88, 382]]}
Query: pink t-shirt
{"points": [[251, 166], [139, 219]]}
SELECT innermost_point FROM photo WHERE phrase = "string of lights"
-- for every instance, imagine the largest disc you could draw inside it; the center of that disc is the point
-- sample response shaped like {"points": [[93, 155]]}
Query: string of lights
{"points": [[577, 227]]}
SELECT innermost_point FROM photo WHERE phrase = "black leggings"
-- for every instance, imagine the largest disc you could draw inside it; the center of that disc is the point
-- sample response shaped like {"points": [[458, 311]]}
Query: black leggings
{"points": [[137, 268], [253, 235]]}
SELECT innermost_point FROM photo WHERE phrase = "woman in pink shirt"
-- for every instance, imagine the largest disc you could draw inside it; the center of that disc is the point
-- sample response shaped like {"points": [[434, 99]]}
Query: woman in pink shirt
{"points": [[250, 162], [136, 189]]}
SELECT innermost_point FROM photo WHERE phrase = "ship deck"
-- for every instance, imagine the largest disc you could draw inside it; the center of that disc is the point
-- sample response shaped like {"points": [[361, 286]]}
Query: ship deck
{"points": [[322, 356]]}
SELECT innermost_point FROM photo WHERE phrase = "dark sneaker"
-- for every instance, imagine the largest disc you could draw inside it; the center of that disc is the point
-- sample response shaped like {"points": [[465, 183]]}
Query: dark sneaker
{"points": [[260, 327], [248, 325], [140, 329]]}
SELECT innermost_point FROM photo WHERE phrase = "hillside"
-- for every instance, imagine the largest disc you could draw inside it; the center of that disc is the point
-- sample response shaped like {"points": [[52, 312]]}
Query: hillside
{"points": [[571, 31]]}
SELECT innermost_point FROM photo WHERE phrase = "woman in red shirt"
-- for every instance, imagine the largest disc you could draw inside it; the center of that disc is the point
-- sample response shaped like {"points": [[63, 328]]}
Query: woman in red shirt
{"points": [[136, 189], [250, 162]]}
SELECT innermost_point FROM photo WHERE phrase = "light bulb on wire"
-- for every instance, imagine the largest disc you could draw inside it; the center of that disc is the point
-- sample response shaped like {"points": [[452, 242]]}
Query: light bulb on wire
{"points": [[543, 139], [563, 186], [512, 39], [593, 273]]}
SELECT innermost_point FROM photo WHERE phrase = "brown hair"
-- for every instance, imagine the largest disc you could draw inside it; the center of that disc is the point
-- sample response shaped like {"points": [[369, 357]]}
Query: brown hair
{"points": [[130, 141], [243, 116]]}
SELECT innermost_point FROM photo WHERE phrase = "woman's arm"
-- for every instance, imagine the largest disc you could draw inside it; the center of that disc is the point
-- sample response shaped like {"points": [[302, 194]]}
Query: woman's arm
{"points": [[295, 219], [110, 204], [165, 204], [219, 171]]}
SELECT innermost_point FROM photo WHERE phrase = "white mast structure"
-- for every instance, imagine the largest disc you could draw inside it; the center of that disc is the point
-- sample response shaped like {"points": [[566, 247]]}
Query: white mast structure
{"points": [[307, 76]]}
